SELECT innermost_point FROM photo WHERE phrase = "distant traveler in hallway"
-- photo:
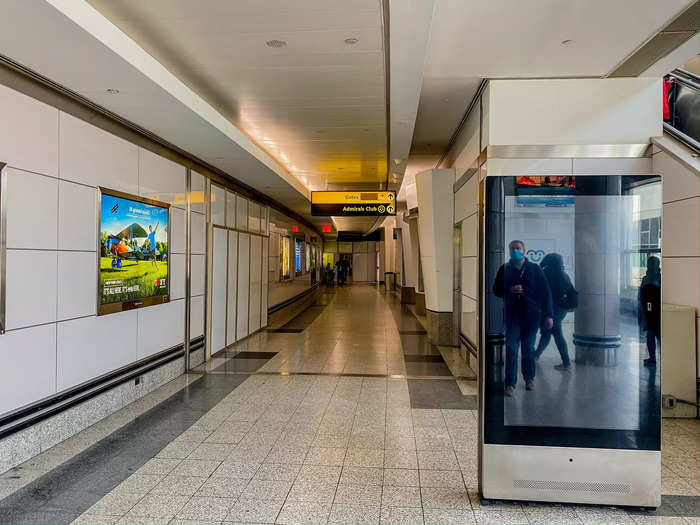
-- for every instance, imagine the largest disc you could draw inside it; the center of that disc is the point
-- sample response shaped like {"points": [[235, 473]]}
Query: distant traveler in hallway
{"points": [[339, 266], [527, 302], [564, 300], [650, 307]]}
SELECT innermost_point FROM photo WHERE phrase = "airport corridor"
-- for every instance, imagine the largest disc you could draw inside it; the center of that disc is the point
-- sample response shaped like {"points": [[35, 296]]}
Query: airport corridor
{"points": [[347, 415]]}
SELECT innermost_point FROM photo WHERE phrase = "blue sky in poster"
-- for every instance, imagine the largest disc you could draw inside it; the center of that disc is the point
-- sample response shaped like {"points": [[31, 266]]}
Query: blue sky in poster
{"points": [[117, 213]]}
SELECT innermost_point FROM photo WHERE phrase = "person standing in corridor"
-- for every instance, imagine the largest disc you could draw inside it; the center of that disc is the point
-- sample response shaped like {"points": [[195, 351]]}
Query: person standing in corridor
{"points": [[528, 301]]}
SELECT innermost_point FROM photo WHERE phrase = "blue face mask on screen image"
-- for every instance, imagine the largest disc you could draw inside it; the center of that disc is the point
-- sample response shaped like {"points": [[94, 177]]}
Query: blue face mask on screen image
{"points": [[516, 255]]}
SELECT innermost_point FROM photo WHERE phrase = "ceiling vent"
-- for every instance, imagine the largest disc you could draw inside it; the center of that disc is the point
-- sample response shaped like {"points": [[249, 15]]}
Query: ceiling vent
{"points": [[276, 43]]}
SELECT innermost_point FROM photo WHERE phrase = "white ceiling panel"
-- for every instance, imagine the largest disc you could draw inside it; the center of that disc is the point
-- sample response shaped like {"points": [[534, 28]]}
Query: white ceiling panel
{"points": [[316, 104]]}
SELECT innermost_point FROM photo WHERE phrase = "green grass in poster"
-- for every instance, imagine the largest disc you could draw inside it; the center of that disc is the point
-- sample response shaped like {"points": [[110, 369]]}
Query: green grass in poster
{"points": [[134, 280]]}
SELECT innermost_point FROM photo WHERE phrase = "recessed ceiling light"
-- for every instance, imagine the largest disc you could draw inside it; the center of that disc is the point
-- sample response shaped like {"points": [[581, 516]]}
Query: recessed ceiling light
{"points": [[351, 41], [567, 42], [276, 43], [112, 91], [341, 168]]}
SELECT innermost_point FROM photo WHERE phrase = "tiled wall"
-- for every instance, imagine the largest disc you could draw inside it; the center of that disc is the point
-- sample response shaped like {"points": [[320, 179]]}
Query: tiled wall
{"points": [[680, 223], [54, 340], [239, 262]]}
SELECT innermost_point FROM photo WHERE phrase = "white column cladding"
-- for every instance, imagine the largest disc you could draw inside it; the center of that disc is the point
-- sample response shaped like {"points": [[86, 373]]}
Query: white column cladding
{"points": [[435, 225], [597, 270], [435, 193]]}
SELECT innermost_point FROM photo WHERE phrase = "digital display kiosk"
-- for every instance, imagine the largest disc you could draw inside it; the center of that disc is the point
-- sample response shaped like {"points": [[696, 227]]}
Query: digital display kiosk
{"points": [[576, 416]]}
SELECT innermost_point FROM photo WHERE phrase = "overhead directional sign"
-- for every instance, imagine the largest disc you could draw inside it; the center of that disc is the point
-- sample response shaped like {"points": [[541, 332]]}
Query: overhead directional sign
{"points": [[353, 203]]}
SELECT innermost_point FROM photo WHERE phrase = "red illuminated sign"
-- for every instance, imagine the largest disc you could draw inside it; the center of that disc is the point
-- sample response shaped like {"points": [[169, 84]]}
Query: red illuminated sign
{"points": [[295, 228], [326, 228]]}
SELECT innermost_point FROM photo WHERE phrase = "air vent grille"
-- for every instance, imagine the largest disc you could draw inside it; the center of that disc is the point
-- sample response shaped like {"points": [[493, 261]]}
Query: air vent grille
{"points": [[573, 486]]}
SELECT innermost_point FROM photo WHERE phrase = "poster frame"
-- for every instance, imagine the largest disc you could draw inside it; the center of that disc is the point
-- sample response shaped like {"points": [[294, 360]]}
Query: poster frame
{"points": [[110, 308]]}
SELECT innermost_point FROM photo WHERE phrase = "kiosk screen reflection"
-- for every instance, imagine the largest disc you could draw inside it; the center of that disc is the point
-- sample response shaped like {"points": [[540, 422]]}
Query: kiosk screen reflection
{"points": [[573, 311]]}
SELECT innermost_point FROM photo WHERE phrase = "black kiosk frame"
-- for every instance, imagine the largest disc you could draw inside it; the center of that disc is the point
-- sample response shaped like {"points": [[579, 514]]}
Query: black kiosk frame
{"points": [[590, 433]]}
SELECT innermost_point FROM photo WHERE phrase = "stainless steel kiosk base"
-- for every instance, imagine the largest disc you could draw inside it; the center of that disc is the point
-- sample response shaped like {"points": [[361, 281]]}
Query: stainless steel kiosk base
{"points": [[572, 475]]}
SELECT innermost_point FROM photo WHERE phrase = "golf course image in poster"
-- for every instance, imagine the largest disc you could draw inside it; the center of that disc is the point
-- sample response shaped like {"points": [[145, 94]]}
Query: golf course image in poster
{"points": [[133, 252]]}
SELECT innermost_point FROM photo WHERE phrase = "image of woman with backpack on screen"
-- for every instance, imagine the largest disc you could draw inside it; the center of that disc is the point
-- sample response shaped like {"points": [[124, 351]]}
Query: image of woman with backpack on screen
{"points": [[565, 300]]}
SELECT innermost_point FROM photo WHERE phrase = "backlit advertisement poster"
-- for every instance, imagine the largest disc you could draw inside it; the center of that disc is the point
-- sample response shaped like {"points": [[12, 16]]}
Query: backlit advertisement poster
{"points": [[284, 258], [133, 252], [307, 253], [297, 256]]}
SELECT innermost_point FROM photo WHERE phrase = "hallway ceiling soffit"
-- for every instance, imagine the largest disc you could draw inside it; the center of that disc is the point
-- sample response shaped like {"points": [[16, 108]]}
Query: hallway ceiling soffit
{"points": [[513, 39], [82, 50], [305, 80]]}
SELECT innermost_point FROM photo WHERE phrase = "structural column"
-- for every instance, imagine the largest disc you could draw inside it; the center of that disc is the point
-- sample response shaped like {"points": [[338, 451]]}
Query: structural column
{"points": [[597, 270]]}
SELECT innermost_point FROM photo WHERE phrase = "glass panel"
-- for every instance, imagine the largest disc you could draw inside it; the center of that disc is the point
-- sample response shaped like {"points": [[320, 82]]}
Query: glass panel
{"points": [[573, 311], [230, 209]]}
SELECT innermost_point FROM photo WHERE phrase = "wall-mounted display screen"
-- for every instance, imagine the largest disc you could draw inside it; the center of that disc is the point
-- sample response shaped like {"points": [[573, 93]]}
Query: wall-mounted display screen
{"points": [[574, 296], [284, 258], [134, 257], [297, 256], [308, 257]]}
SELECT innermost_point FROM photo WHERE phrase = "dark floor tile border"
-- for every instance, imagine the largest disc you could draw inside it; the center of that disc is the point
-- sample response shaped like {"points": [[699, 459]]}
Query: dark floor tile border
{"points": [[413, 332], [285, 330], [254, 355], [61, 495], [423, 358], [673, 505], [436, 394]]}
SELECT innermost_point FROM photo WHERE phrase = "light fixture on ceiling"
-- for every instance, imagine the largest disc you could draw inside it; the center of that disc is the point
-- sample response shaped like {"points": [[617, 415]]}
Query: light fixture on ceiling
{"points": [[112, 91], [351, 41], [567, 42], [276, 43]]}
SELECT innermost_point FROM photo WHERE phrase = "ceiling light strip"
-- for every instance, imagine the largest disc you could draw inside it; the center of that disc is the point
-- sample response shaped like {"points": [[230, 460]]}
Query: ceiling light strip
{"points": [[465, 117]]}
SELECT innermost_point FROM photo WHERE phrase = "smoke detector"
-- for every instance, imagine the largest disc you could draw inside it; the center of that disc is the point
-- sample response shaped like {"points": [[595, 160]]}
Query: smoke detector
{"points": [[351, 41], [276, 43]]}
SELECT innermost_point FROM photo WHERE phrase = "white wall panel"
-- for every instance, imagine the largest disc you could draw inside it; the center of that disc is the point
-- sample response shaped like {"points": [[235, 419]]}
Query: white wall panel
{"points": [[255, 283], [197, 317], [31, 287], [28, 127], [160, 327], [94, 157], [243, 284], [32, 208], [218, 205], [162, 179], [469, 277], [241, 213], [92, 346], [678, 181], [681, 283], [232, 287], [469, 138], [77, 217], [230, 209], [177, 276], [28, 371], [77, 284], [218, 294], [470, 236], [199, 233], [197, 182], [680, 223], [574, 111], [198, 274], [265, 281], [253, 217], [177, 230], [466, 199]]}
